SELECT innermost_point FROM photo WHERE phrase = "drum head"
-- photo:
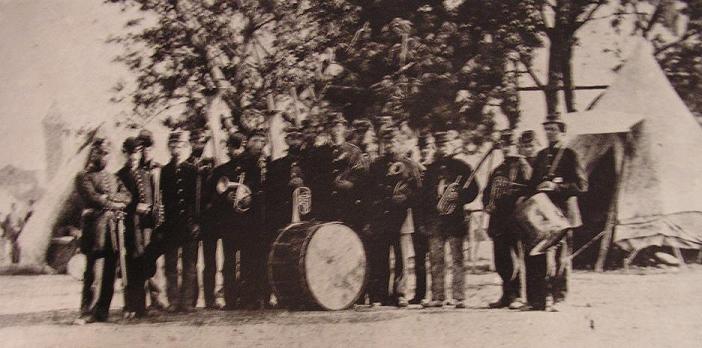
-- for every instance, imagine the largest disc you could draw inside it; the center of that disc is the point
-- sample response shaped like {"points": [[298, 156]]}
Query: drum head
{"points": [[335, 266]]}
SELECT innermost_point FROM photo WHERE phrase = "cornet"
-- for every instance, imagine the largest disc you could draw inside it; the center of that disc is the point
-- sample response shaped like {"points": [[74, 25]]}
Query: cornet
{"points": [[236, 192]]}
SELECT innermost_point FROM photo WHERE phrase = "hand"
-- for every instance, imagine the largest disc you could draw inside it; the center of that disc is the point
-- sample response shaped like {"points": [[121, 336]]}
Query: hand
{"points": [[452, 195], [399, 198], [143, 208], [520, 200], [195, 231], [343, 184], [546, 186], [118, 205], [296, 182], [246, 201]]}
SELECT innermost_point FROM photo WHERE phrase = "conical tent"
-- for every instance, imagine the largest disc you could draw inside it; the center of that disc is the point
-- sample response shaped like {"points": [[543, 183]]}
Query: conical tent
{"points": [[659, 165]]}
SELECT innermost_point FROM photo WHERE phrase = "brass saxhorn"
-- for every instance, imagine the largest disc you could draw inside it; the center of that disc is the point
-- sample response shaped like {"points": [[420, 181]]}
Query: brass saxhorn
{"points": [[236, 193], [396, 168], [301, 203]]}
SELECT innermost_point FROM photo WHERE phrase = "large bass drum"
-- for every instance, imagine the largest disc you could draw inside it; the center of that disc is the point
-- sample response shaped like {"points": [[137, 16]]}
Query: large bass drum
{"points": [[543, 223], [314, 265]]}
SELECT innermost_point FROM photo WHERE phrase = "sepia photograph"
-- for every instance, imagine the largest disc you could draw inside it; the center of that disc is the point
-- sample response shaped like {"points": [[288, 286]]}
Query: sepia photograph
{"points": [[350, 173]]}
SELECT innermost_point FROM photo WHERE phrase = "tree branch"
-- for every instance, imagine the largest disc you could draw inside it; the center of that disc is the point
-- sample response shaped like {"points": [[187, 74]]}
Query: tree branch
{"points": [[589, 15], [531, 73]]}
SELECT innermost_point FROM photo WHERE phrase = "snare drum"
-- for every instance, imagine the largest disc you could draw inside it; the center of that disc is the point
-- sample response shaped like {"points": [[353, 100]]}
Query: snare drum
{"points": [[543, 223], [315, 265]]}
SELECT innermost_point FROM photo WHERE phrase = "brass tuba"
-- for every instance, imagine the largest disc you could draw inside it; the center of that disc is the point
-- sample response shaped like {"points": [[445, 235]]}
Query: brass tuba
{"points": [[235, 192]]}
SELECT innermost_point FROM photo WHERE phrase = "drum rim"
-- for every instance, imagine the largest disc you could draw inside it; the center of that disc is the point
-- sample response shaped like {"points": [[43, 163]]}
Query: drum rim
{"points": [[269, 266], [306, 275]]}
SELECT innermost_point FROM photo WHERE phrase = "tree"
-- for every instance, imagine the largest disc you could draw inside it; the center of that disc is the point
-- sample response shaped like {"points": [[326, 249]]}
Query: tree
{"points": [[422, 61], [675, 30]]}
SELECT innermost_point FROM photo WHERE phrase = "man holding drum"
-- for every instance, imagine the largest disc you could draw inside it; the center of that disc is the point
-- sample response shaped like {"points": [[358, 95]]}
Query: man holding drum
{"points": [[558, 173]]}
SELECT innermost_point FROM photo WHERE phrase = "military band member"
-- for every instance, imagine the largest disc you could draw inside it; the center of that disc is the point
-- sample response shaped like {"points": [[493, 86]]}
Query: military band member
{"points": [[444, 226], [204, 166], [156, 285], [420, 238], [180, 228], [225, 223], [251, 168], [138, 218], [285, 175], [528, 146], [394, 184], [506, 184], [558, 173], [345, 181], [105, 199]]}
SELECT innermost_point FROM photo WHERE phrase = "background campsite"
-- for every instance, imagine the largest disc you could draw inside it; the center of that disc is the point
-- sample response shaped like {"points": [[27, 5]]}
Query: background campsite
{"points": [[626, 81]]}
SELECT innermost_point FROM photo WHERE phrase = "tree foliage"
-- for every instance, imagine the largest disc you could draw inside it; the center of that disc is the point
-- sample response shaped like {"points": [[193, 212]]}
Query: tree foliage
{"points": [[420, 61]]}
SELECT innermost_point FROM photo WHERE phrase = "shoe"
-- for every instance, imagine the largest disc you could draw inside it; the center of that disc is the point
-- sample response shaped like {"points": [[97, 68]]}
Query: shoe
{"points": [[516, 304], [213, 306], [501, 303], [376, 304], [402, 302], [552, 308], [415, 301], [187, 309], [460, 304], [433, 304], [528, 308], [172, 309], [128, 315]]}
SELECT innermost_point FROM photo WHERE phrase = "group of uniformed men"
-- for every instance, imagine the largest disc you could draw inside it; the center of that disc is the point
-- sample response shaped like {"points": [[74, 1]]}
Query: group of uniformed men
{"points": [[175, 209]]}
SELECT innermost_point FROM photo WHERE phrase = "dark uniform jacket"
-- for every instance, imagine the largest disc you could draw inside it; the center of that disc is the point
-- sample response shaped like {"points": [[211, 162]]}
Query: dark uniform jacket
{"points": [[568, 175], [178, 194], [449, 169], [100, 191], [154, 168], [279, 191], [327, 165], [138, 183], [382, 184], [204, 166], [500, 201], [225, 219]]}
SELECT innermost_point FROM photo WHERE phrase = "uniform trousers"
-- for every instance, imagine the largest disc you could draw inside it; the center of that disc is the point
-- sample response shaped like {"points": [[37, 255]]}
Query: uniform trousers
{"points": [[156, 283], [420, 242], [229, 270], [452, 232], [540, 284], [106, 287], [386, 234], [503, 247], [135, 293], [184, 293]]}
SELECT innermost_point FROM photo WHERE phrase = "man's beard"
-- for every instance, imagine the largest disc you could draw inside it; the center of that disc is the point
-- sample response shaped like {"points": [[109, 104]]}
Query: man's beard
{"points": [[197, 152], [99, 164], [294, 148]]}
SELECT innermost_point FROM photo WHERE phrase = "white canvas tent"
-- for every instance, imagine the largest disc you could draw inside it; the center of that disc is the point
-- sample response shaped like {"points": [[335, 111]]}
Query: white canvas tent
{"points": [[658, 162]]}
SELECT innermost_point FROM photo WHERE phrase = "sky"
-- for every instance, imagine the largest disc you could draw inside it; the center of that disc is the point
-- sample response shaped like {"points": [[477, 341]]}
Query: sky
{"points": [[53, 54]]}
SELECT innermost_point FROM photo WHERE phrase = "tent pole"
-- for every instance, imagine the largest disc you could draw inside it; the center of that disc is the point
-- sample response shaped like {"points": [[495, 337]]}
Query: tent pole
{"points": [[612, 211]]}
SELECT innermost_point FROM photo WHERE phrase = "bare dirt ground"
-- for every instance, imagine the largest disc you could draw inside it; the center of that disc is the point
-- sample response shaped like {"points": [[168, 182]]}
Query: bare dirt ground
{"points": [[646, 308]]}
